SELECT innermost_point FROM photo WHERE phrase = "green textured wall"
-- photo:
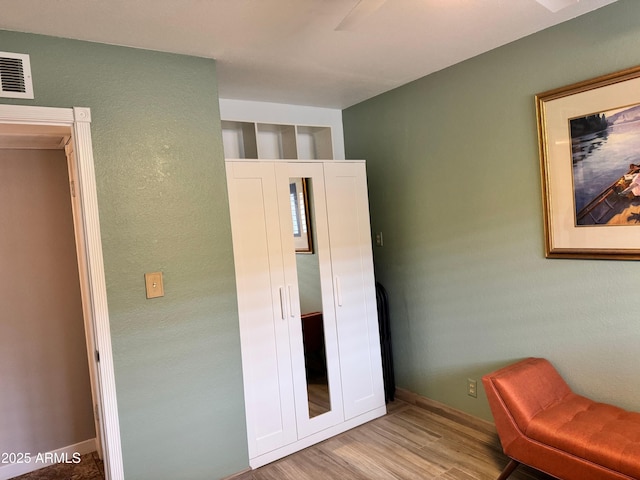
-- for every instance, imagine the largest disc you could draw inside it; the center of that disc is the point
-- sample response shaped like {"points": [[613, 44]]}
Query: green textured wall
{"points": [[454, 186], [163, 206]]}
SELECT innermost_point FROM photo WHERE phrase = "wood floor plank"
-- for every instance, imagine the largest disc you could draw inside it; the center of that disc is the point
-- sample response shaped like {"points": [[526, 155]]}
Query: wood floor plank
{"points": [[479, 463], [456, 474], [438, 423], [403, 431], [367, 450], [307, 465], [409, 443]]}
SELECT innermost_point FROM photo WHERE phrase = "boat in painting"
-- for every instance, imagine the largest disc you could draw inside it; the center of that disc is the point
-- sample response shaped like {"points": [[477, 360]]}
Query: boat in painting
{"points": [[618, 204]]}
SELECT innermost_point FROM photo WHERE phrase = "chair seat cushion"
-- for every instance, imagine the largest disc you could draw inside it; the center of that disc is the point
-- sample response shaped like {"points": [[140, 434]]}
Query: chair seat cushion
{"points": [[597, 432]]}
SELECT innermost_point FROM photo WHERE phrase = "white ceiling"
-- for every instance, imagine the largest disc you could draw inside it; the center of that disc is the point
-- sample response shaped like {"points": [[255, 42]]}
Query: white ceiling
{"points": [[290, 51]]}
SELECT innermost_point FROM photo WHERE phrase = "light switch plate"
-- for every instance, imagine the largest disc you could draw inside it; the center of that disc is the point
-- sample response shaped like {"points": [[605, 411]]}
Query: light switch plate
{"points": [[153, 282]]}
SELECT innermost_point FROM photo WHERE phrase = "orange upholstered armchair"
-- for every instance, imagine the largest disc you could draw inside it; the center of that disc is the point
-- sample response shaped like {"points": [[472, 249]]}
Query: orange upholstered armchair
{"points": [[543, 424]]}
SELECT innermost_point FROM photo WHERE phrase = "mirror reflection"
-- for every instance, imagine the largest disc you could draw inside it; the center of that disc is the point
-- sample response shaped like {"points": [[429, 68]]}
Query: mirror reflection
{"points": [[307, 263], [298, 198]]}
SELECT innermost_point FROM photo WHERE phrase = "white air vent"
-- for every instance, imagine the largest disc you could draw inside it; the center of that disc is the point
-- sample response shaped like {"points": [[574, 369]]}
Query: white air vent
{"points": [[15, 76]]}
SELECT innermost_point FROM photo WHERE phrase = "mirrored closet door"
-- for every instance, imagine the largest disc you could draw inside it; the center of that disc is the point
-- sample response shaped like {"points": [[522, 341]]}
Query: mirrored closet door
{"points": [[310, 296]]}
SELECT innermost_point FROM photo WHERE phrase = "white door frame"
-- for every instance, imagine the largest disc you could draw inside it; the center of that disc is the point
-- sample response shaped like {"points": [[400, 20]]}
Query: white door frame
{"points": [[79, 120]]}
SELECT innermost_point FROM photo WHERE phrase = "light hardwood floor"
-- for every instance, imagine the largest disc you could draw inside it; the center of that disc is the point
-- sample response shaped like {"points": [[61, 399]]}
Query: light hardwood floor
{"points": [[410, 442]]}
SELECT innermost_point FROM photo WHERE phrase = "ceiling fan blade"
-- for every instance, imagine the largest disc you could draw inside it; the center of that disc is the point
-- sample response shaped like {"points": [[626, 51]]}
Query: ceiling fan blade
{"points": [[556, 5], [359, 12]]}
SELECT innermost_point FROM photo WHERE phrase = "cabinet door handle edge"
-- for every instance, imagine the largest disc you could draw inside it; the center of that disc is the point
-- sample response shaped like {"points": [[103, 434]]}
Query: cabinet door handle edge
{"points": [[282, 312], [338, 291], [291, 312]]}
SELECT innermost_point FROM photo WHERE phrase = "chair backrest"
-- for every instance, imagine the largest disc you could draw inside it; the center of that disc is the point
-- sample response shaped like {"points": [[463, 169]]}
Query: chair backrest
{"points": [[525, 389]]}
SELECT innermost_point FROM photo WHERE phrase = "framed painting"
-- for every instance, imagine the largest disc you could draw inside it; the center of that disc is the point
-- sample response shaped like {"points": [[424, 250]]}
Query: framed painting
{"points": [[299, 200], [589, 140]]}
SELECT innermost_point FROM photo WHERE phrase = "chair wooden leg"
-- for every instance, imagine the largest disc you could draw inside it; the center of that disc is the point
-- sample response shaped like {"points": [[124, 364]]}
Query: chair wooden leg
{"points": [[508, 470]]}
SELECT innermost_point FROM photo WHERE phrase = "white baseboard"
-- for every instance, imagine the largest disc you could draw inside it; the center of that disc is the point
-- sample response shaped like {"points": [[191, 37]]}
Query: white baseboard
{"points": [[36, 461]]}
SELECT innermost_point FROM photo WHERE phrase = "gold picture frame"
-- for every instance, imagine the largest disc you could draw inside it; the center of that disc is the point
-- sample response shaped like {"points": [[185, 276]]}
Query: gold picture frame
{"points": [[587, 132]]}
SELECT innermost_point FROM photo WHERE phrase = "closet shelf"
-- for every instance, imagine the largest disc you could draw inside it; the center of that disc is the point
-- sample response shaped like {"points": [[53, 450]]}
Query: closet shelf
{"points": [[274, 141]]}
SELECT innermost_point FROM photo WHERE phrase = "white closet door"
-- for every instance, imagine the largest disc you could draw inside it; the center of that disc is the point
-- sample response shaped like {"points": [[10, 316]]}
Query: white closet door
{"points": [[320, 261], [266, 359], [354, 287]]}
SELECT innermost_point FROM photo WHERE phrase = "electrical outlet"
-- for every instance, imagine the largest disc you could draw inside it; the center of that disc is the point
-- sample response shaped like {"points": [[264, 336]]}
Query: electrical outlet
{"points": [[379, 239], [472, 388]]}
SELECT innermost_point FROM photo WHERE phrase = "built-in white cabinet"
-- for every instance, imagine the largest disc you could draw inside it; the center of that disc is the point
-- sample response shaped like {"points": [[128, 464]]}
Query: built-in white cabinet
{"points": [[308, 316], [276, 141]]}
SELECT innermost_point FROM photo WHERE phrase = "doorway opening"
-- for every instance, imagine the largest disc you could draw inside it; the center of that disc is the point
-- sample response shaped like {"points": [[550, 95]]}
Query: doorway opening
{"points": [[56, 143]]}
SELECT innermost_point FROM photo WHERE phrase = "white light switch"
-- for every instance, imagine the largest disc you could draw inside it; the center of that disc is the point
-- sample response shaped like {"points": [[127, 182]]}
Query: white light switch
{"points": [[153, 282]]}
